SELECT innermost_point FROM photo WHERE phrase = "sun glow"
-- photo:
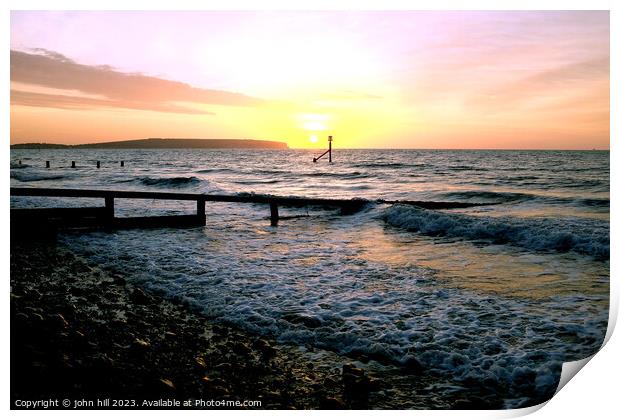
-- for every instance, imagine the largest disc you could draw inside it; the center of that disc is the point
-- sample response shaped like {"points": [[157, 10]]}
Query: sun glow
{"points": [[314, 122], [314, 126], [314, 138]]}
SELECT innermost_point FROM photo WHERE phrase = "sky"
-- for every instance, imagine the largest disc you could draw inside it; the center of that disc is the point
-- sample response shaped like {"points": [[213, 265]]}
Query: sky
{"points": [[398, 79]]}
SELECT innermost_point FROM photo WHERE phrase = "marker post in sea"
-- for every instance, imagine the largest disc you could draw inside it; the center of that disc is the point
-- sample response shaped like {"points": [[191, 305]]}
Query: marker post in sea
{"points": [[329, 139]]}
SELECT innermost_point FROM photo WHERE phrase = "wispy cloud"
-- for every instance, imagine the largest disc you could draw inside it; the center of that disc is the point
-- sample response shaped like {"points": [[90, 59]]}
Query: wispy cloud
{"points": [[49, 69], [20, 97], [573, 85]]}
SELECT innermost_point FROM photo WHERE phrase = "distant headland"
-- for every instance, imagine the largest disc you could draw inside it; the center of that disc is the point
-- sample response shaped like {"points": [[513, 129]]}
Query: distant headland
{"points": [[159, 143]]}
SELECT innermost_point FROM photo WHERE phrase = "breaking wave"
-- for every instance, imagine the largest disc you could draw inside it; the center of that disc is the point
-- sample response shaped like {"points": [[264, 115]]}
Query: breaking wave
{"points": [[494, 197], [169, 182], [32, 177], [499, 197], [538, 234]]}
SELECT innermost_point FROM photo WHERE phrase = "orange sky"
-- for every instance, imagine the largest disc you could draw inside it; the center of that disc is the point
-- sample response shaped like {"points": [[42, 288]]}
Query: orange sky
{"points": [[370, 79]]}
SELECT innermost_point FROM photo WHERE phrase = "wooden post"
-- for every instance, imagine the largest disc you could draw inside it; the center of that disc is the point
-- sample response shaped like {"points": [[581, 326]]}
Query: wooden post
{"points": [[273, 206], [98, 164], [200, 211], [330, 148], [20, 163], [47, 163], [122, 163], [109, 209], [73, 164]]}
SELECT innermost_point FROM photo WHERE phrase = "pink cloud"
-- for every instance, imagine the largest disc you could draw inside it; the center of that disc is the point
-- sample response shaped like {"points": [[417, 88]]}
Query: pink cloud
{"points": [[117, 89]]}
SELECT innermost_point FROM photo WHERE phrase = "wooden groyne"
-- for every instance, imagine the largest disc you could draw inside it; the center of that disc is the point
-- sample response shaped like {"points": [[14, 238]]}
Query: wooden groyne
{"points": [[104, 216]]}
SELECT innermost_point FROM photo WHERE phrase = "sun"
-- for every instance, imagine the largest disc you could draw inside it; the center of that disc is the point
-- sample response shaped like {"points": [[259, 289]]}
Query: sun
{"points": [[314, 138]]}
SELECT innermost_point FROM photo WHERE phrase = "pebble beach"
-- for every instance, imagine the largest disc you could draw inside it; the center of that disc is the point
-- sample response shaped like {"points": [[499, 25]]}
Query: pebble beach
{"points": [[83, 334]]}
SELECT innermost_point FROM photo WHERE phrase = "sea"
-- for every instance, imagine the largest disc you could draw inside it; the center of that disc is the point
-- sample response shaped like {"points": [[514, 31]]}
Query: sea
{"points": [[499, 294]]}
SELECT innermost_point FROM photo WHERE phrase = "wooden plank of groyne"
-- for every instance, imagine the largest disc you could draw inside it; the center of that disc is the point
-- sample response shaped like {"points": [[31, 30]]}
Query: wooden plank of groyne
{"points": [[58, 212], [72, 192], [33, 219], [347, 205], [156, 195], [179, 220]]}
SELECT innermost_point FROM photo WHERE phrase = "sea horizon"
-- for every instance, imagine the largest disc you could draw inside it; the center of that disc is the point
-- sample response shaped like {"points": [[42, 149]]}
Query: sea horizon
{"points": [[351, 148]]}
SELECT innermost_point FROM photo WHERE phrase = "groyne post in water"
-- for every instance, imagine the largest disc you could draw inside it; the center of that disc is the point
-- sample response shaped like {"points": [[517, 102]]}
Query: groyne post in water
{"points": [[20, 163], [98, 164], [109, 208], [200, 211], [47, 164], [122, 163], [73, 164], [273, 207]]}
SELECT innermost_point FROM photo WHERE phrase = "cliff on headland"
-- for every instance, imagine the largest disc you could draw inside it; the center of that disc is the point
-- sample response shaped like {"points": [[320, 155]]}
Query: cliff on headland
{"points": [[159, 143]]}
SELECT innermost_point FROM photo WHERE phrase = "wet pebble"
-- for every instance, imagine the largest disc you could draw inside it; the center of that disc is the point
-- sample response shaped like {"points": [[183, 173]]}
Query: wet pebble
{"points": [[412, 365], [138, 297], [331, 403], [118, 280], [241, 348]]}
